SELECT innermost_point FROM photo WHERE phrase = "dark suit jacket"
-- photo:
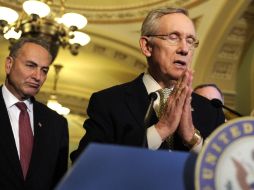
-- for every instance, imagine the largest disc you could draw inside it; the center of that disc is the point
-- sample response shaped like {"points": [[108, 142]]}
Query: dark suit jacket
{"points": [[50, 150], [116, 115]]}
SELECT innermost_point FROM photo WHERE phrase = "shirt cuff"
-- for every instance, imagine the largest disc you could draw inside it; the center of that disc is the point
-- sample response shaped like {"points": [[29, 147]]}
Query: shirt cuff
{"points": [[153, 138], [197, 148]]}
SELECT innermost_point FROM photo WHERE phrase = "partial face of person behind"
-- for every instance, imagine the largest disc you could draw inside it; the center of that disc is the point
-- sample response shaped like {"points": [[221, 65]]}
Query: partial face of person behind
{"points": [[167, 61], [209, 92], [27, 71]]}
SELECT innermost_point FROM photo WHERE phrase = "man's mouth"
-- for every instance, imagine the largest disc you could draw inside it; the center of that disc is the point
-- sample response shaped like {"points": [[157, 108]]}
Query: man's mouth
{"points": [[32, 85], [180, 63]]}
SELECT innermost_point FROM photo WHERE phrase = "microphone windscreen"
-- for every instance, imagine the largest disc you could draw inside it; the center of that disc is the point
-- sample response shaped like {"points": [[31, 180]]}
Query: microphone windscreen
{"points": [[153, 96], [216, 103]]}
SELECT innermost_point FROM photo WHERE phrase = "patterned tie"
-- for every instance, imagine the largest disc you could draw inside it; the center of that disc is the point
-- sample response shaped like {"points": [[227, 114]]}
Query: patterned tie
{"points": [[164, 94], [25, 137]]}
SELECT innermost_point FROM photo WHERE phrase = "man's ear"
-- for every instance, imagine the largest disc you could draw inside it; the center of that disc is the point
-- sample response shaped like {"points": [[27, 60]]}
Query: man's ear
{"points": [[8, 64], [145, 46]]}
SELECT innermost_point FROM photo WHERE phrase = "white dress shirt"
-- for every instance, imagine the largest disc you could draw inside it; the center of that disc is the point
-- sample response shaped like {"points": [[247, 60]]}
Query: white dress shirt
{"points": [[13, 112], [153, 138]]}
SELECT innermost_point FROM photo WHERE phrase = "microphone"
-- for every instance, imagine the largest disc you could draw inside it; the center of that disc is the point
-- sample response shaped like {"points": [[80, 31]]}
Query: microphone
{"points": [[218, 104], [152, 96]]}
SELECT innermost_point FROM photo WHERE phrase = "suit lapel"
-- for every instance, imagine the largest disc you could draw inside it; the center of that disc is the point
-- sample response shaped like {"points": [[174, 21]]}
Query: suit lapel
{"points": [[137, 99], [39, 127], [7, 141]]}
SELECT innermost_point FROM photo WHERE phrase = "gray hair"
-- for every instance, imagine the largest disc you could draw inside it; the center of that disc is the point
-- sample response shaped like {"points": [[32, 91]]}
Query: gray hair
{"points": [[22, 41], [150, 24]]}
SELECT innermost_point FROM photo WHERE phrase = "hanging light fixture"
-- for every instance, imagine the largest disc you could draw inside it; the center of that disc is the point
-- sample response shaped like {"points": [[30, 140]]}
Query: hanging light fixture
{"points": [[52, 101], [37, 20]]}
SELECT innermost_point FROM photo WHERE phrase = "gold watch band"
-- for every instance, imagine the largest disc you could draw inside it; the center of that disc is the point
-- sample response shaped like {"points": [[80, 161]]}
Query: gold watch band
{"points": [[194, 140]]}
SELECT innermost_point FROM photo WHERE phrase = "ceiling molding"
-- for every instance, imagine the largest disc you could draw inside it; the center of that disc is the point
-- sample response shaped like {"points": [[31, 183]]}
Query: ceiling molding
{"points": [[106, 12]]}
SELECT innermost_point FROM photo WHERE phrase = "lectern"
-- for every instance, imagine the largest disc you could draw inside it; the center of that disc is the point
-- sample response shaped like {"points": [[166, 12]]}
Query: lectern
{"points": [[111, 167]]}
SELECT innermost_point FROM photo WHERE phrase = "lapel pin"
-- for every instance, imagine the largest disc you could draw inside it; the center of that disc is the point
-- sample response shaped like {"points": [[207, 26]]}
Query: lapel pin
{"points": [[39, 124]]}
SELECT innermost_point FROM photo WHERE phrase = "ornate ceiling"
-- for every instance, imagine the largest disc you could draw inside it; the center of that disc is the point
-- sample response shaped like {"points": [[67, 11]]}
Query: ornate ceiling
{"points": [[225, 55]]}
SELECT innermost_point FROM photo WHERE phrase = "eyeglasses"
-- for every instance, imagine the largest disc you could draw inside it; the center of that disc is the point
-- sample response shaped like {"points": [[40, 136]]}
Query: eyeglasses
{"points": [[174, 39]]}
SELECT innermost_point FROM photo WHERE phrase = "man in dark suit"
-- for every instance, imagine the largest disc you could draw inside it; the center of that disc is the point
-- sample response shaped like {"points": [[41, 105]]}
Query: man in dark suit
{"points": [[183, 121], [46, 154]]}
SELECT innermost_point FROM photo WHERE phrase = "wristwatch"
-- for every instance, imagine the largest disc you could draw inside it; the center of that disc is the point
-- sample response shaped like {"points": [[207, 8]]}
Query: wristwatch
{"points": [[194, 140]]}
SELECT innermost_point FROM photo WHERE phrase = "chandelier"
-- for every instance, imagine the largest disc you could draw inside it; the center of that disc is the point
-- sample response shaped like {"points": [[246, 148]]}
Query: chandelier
{"points": [[52, 101], [37, 20]]}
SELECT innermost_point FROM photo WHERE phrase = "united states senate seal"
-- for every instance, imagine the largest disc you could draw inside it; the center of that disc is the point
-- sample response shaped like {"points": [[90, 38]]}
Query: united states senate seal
{"points": [[226, 162]]}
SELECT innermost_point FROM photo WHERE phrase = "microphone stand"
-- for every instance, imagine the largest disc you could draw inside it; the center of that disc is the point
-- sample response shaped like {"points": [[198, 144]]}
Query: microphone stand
{"points": [[217, 103], [232, 111], [153, 96]]}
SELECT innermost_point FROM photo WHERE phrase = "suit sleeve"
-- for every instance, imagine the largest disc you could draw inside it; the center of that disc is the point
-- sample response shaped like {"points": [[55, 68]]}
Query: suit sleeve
{"points": [[99, 126]]}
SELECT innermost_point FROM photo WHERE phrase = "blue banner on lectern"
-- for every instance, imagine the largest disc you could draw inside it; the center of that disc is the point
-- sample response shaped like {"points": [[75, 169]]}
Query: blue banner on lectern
{"points": [[111, 167]]}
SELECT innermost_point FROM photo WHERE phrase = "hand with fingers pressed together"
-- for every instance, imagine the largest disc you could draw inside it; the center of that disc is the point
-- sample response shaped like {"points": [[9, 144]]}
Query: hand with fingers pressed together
{"points": [[168, 40], [178, 109]]}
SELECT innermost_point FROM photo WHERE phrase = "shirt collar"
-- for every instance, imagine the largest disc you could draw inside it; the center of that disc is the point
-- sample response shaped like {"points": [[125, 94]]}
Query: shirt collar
{"points": [[150, 84], [11, 100]]}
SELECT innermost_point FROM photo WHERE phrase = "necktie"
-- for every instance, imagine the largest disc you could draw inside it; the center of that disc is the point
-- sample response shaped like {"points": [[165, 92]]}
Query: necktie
{"points": [[25, 138], [164, 94]]}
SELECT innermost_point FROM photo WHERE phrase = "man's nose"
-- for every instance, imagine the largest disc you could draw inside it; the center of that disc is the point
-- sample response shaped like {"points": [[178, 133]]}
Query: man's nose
{"points": [[37, 74], [183, 47]]}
